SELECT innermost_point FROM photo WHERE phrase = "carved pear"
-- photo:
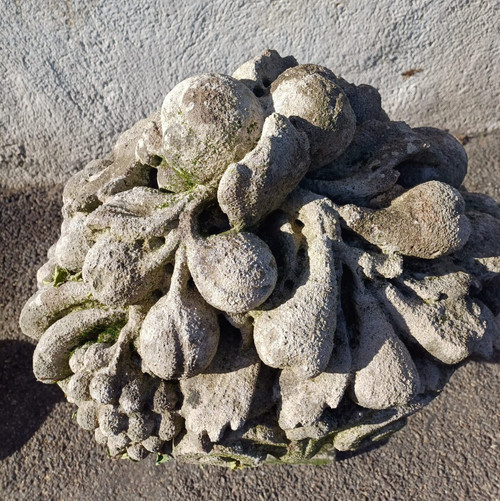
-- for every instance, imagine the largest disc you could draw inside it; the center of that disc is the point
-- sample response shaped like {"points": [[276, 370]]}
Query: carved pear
{"points": [[258, 184], [427, 221]]}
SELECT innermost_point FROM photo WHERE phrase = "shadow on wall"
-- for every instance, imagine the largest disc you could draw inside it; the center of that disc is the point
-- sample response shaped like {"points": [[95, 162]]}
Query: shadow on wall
{"points": [[24, 403]]}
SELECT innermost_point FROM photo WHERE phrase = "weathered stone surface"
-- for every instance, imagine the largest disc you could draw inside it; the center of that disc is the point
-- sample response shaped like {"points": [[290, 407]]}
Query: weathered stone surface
{"points": [[50, 360], [441, 158], [376, 426], [479, 255], [74, 243], [222, 396], [440, 315], [234, 272], [303, 400], [385, 375], [100, 179], [266, 271], [122, 273], [383, 153], [365, 101], [299, 333], [49, 304], [149, 148], [180, 333], [139, 212], [261, 71]]}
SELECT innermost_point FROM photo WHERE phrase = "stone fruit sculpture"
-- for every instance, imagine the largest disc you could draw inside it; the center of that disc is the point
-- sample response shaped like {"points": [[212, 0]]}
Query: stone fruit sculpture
{"points": [[269, 270]]}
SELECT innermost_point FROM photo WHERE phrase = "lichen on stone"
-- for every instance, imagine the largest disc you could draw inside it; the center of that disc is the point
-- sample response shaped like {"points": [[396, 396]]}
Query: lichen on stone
{"points": [[267, 271]]}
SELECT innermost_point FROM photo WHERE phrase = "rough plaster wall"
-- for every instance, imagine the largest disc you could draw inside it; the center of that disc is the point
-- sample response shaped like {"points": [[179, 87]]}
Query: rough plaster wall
{"points": [[75, 73]]}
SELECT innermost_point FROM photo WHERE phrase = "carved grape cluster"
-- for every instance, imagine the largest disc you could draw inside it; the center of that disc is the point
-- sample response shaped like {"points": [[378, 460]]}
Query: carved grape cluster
{"points": [[269, 270]]}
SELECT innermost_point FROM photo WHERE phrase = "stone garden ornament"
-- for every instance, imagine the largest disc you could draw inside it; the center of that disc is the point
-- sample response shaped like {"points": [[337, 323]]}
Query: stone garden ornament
{"points": [[267, 271]]}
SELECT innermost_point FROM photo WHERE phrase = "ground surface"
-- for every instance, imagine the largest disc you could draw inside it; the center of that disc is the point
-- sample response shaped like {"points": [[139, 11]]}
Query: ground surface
{"points": [[449, 450]]}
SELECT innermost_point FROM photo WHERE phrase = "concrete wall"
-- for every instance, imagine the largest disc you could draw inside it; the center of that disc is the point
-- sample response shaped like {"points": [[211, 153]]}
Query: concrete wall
{"points": [[75, 73]]}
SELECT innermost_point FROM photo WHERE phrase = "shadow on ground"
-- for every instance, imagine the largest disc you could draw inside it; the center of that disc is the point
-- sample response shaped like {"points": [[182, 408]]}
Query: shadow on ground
{"points": [[24, 403]]}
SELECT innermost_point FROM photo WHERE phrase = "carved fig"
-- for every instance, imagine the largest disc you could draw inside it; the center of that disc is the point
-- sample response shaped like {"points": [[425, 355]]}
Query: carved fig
{"points": [[180, 333]]}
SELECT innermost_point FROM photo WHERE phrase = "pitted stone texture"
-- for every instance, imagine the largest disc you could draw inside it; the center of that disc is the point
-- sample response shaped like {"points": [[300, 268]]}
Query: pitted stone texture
{"points": [[385, 374], [180, 333], [299, 333], [122, 273], [49, 304], [303, 400], [222, 396], [234, 272], [50, 360], [261, 71], [439, 314], [427, 221], [383, 153]]}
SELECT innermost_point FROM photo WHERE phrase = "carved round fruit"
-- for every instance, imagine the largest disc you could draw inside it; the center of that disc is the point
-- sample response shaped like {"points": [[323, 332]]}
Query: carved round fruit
{"points": [[317, 105], [234, 272], [208, 121], [120, 273]]}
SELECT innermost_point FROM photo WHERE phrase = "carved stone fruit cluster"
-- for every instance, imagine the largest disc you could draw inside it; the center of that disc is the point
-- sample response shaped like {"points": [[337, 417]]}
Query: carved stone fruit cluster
{"points": [[269, 270]]}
